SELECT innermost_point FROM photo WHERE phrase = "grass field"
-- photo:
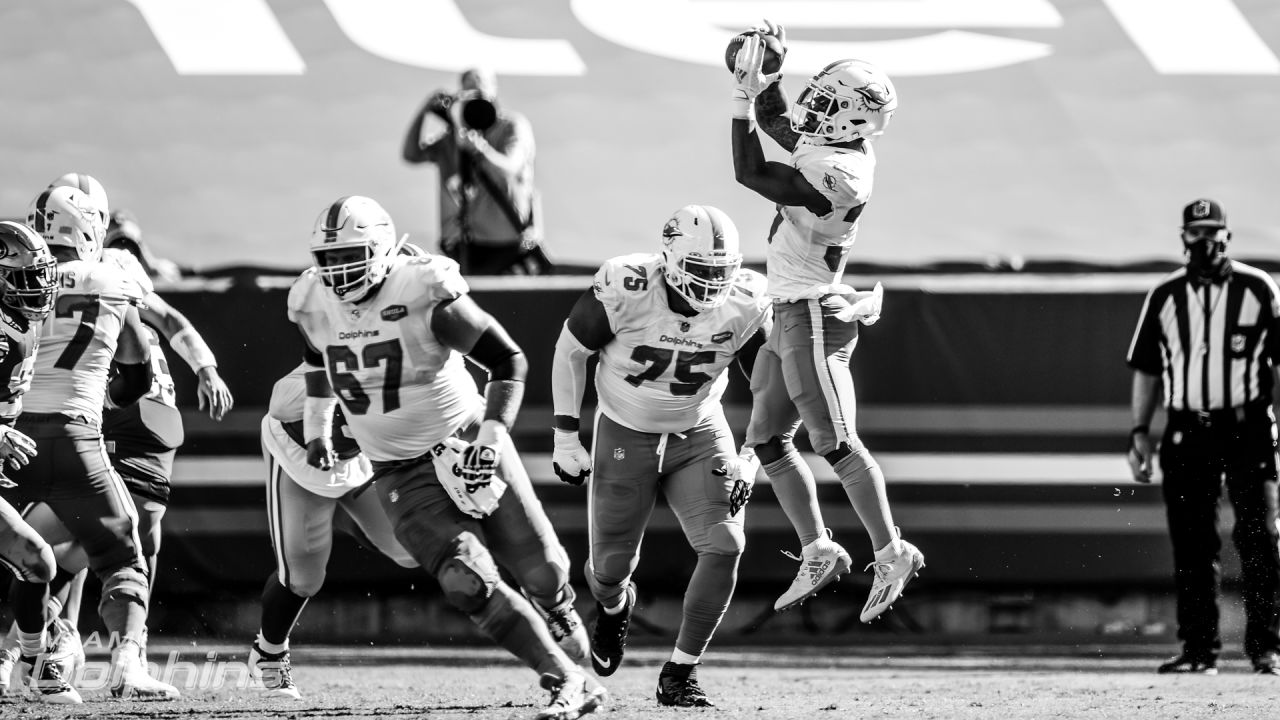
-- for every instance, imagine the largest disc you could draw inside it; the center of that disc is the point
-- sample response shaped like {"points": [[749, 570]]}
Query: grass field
{"points": [[825, 683]]}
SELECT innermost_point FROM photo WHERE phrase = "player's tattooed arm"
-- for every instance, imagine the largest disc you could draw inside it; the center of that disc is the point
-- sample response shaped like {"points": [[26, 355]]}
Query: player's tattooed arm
{"points": [[461, 325], [771, 115], [775, 181]]}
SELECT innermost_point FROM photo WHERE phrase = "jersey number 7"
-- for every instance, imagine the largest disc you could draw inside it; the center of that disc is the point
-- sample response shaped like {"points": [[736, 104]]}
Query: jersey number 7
{"points": [[343, 362], [89, 307]]}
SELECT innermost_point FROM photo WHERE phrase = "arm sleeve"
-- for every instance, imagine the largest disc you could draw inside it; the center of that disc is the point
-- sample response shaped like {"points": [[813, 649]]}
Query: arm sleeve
{"points": [[568, 380]]}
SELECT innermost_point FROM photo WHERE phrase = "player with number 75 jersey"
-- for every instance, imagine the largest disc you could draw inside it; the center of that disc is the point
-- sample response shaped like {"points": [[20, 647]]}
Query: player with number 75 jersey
{"points": [[666, 325]]}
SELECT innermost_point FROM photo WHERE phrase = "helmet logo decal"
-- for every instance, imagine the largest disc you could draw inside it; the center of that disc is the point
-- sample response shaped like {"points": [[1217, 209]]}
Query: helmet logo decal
{"points": [[1200, 209], [874, 96], [828, 182], [671, 231]]}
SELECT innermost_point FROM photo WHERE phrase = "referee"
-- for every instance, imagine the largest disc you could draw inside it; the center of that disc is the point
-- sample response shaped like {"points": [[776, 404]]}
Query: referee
{"points": [[1209, 336]]}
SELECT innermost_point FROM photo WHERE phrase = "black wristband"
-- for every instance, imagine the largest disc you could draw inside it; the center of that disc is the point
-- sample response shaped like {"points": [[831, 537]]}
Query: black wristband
{"points": [[566, 423], [1139, 429]]}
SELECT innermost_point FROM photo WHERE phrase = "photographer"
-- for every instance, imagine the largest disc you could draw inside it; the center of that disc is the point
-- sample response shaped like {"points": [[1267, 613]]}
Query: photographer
{"points": [[489, 214]]}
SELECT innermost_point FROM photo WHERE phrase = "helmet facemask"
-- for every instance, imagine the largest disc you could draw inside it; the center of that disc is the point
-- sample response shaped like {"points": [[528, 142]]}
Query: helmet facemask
{"points": [[31, 290], [700, 255], [28, 272], [704, 282], [848, 100], [351, 271], [352, 244]]}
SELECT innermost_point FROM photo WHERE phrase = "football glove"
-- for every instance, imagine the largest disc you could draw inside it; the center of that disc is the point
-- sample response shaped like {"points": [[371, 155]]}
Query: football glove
{"points": [[480, 458], [570, 460], [16, 449], [748, 71], [320, 453], [743, 472]]}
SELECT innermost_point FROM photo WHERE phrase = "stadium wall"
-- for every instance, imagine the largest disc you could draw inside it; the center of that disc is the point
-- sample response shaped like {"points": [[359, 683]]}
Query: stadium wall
{"points": [[997, 405]]}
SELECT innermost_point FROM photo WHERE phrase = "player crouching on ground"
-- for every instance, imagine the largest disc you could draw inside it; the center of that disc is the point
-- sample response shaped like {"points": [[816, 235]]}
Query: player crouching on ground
{"points": [[394, 331], [666, 326]]}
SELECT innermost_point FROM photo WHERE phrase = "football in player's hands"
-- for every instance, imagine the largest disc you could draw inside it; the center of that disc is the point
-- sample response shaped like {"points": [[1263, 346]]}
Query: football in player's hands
{"points": [[774, 51]]}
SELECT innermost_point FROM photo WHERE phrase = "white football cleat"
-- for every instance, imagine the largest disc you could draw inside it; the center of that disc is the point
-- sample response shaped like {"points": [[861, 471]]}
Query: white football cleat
{"points": [[129, 678], [571, 696], [822, 562], [44, 677], [893, 570], [274, 673]]}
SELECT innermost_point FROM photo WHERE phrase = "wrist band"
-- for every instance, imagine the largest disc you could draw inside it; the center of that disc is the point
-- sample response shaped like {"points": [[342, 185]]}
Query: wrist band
{"points": [[1139, 429], [192, 348]]}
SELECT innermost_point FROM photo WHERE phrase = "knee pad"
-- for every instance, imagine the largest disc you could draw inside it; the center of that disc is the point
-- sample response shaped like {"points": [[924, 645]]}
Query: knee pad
{"points": [[724, 538], [128, 584], [774, 449], [306, 584], [468, 576], [546, 580]]}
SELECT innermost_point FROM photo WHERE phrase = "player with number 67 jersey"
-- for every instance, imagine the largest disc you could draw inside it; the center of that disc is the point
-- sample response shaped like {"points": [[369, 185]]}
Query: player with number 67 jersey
{"points": [[386, 334], [666, 326]]}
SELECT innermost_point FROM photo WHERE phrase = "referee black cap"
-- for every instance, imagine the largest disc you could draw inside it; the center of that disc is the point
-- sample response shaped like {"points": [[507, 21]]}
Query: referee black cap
{"points": [[1203, 213]]}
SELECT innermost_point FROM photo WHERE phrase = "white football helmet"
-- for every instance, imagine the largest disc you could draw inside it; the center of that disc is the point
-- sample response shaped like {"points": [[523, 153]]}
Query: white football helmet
{"points": [[700, 255], [68, 218], [88, 185], [849, 99], [28, 273], [353, 222]]}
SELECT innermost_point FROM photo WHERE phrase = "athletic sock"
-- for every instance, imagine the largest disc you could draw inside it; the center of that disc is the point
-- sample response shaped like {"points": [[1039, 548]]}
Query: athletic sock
{"points": [[280, 610], [705, 601], [797, 493], [863, 482]]}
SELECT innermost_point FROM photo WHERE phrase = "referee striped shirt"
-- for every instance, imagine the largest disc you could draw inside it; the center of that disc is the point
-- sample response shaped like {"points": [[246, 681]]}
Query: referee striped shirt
{"points": [[1213, 345]]}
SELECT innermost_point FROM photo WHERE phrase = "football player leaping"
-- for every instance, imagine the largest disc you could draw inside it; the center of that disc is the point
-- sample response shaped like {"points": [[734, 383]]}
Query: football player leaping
{"points": [[666, 326], [803, 372], [28, 284], [394, 330]]}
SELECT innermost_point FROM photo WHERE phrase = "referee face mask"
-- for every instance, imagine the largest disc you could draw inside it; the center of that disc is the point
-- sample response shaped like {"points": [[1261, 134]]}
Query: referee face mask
{"points": [[1206, 250]]}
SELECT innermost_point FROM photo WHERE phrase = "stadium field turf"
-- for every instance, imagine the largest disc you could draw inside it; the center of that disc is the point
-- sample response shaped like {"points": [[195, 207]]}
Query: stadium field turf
{"points": [[1005, 683]]}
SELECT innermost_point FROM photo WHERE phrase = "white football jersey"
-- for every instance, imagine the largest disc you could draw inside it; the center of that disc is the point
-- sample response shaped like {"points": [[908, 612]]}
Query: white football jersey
{"points": [[162, 387], [807, 253], [662, 371], [79, 339], [282, 437], [401, 389]]}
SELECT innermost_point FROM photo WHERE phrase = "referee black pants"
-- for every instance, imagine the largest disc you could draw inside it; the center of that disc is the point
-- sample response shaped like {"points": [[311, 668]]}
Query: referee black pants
{"points": [[1195, 457]]}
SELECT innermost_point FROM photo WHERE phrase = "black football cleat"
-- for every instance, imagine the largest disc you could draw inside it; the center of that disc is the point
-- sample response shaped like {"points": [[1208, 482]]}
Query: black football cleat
{"points": [[1267, 663], [609, 637], [1188, 664], [678, 687]]}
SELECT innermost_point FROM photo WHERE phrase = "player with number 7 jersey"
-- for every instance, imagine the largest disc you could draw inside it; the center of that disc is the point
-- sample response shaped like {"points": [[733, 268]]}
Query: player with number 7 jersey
{"points": [[666, 325], [94, 322], [386, 334]]}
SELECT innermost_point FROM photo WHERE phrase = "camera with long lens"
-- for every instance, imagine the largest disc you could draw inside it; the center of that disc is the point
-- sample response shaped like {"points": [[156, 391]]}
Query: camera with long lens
{"points": [[469, 109]]}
